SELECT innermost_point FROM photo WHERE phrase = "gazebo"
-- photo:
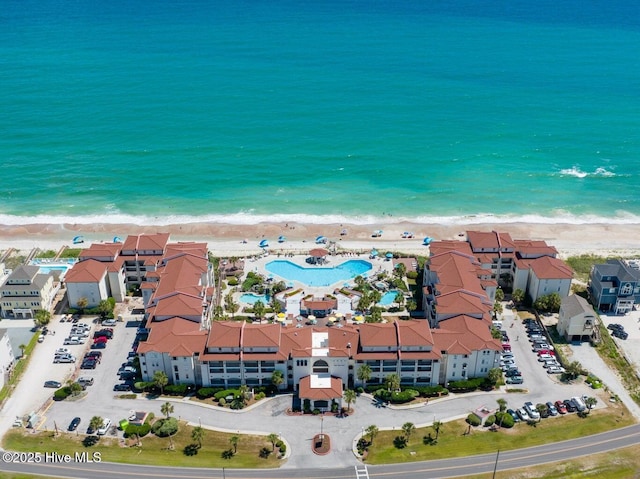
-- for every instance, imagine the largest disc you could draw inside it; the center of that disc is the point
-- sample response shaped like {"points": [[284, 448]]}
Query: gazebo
{"points": [[318, 255]]}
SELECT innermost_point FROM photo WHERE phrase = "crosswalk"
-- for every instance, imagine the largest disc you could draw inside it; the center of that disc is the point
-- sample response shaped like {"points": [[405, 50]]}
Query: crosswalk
{"points": [[361, 472]]}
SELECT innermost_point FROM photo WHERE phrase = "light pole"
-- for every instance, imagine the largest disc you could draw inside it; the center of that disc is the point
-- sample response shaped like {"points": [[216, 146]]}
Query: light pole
{"points": [[495, 467]]}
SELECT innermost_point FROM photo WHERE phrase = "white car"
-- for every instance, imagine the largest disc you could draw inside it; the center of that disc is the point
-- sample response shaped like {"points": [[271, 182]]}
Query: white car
{"points": [[62, 351], [64, 359], [555, 369], [522, 414], [106, 424], [109, 322]]}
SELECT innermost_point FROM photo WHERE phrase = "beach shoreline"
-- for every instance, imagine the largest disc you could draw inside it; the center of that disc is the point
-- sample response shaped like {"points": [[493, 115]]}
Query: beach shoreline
{"points": [[229, 239]]}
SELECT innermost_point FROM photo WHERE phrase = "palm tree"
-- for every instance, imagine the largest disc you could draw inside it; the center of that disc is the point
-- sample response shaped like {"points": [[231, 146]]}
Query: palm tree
{"points": [[42, 317], [542, 410], [197, 434], [502, 404], [436, 427], [166, 409], [590, 402], [517, 296], [96, 423], [258, 310], [364, 374], [393, 382], [233, 440], [350, 397], [399, 299], [22, 348], [499, 294], [160, 380], [408, 428], [273, 439], [230, 304], [372, 431]]}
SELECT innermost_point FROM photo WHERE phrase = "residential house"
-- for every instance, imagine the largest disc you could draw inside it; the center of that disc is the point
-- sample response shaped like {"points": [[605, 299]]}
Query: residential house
{"points": [[614, 287], [577, 319], [26, 291]]}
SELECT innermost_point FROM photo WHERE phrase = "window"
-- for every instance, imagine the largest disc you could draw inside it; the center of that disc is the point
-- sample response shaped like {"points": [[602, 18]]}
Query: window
{"points": [[626, 289], [320, 366]]}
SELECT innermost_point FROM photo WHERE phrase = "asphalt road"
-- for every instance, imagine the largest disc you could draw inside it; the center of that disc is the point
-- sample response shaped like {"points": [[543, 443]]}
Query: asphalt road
{"points": [[446, 468]]}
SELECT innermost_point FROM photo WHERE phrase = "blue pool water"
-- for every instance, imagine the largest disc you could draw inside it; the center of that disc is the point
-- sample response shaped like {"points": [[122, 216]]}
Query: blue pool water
{"points": [[47, 266], [388, 298], [251, 298], [316, 276], [49, 269]]}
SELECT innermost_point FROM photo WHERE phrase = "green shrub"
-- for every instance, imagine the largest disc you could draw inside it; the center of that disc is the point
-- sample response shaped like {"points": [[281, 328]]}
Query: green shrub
{"points": [[490, 421], [430, 391], [473, 420], [260, 396], [403, 396], [232, 281], [140, 431], [412, 274], [62, 393], [282, 446], [226, 392], [165, 427], [178, 389], [466, 386], [504, 419], [205, 393], [359, 390], [222, 402]]}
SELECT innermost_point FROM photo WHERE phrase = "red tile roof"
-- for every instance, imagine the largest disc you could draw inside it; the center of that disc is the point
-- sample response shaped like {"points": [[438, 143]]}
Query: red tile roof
{"points": [[463, 334], [146, 242], [88, 271], [175, 337], [307, 392], [551, 268]]}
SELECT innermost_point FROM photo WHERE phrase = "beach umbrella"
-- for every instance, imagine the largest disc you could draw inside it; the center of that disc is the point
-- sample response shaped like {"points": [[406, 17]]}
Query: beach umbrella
{"points": [[389, 255], [321, 240], [78, 239], [427, 241], [117, 239], [318, 252], [343, 232], [264, 243], [280, 317], [377, 233], [282, 239], [374, 252], [311, 317], [359, 319], [338, 315]]}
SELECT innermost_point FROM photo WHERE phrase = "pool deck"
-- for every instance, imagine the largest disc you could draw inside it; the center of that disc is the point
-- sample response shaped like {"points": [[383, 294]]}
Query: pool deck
{"points": [[259, 266]]}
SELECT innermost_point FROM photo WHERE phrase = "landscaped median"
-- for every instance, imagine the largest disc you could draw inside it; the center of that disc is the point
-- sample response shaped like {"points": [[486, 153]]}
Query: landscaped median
{"points": [[458, 438], [184, 449]]}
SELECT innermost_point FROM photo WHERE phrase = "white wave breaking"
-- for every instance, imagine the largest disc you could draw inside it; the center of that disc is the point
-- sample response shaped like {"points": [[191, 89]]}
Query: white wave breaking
{"points": [[247, 218], [578, 173]]}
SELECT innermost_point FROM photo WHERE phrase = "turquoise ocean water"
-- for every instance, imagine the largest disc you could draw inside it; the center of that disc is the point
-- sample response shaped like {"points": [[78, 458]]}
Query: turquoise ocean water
{"points": [[238, 111]]}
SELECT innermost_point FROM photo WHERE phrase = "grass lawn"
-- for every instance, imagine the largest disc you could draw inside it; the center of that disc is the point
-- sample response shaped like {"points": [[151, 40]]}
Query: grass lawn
{"points": [[154, 450], [453, 442], [619, 464]]}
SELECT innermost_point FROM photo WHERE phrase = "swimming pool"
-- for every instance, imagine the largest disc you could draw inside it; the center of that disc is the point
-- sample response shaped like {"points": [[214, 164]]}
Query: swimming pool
{"points": [[47, 266], [317, 276], [251, 298], [388, 298]]}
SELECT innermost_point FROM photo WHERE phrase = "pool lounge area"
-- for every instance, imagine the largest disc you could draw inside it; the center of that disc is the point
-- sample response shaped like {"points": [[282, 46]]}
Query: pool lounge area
{"points": [[48, 266]]}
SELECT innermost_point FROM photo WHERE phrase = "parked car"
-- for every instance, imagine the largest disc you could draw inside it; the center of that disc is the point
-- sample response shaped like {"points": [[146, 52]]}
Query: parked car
{"points": [[41, 338], [523, 414], [531, 410], [125, 376], [109, 322], [570, 406], [103, 333], [97, 355], [87, 381], [100, 339], [106, 424], [512, 372], [513, 414], [506, 347], [551, 363], [127, 369], [506, 356], [615, 326], [73, 341], [75, 422], [64, 359], [555, 370], [553, 411], [122, 387], [579, 403], [546, 351], [98, 345], [63, 351], [52, 384], [514, 380], [544, 357], [88, 364], [539, 346], [560, 406], [619, 334]]}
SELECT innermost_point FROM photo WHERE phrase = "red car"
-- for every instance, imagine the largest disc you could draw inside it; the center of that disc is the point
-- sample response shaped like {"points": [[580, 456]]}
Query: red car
{"points": [[506, 347], [546, 351], [100, 339], [562, 409]]}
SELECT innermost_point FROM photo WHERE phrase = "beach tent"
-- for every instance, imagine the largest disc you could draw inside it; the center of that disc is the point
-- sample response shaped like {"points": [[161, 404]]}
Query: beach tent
{"points": [[377, 233], [117, 239], [264, 243], [78, 239], [282, 239], [427, 241], [374, 253], [321, 240], [389, 255]]}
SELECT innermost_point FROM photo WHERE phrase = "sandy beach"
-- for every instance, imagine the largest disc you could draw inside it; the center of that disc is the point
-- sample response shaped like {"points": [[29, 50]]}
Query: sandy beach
{"points": [[228, 239]]}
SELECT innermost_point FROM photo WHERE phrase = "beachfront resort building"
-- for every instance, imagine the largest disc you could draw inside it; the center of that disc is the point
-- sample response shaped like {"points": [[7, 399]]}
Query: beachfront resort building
{"points": [[577, 319], [614, 287], [26, 291]]}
